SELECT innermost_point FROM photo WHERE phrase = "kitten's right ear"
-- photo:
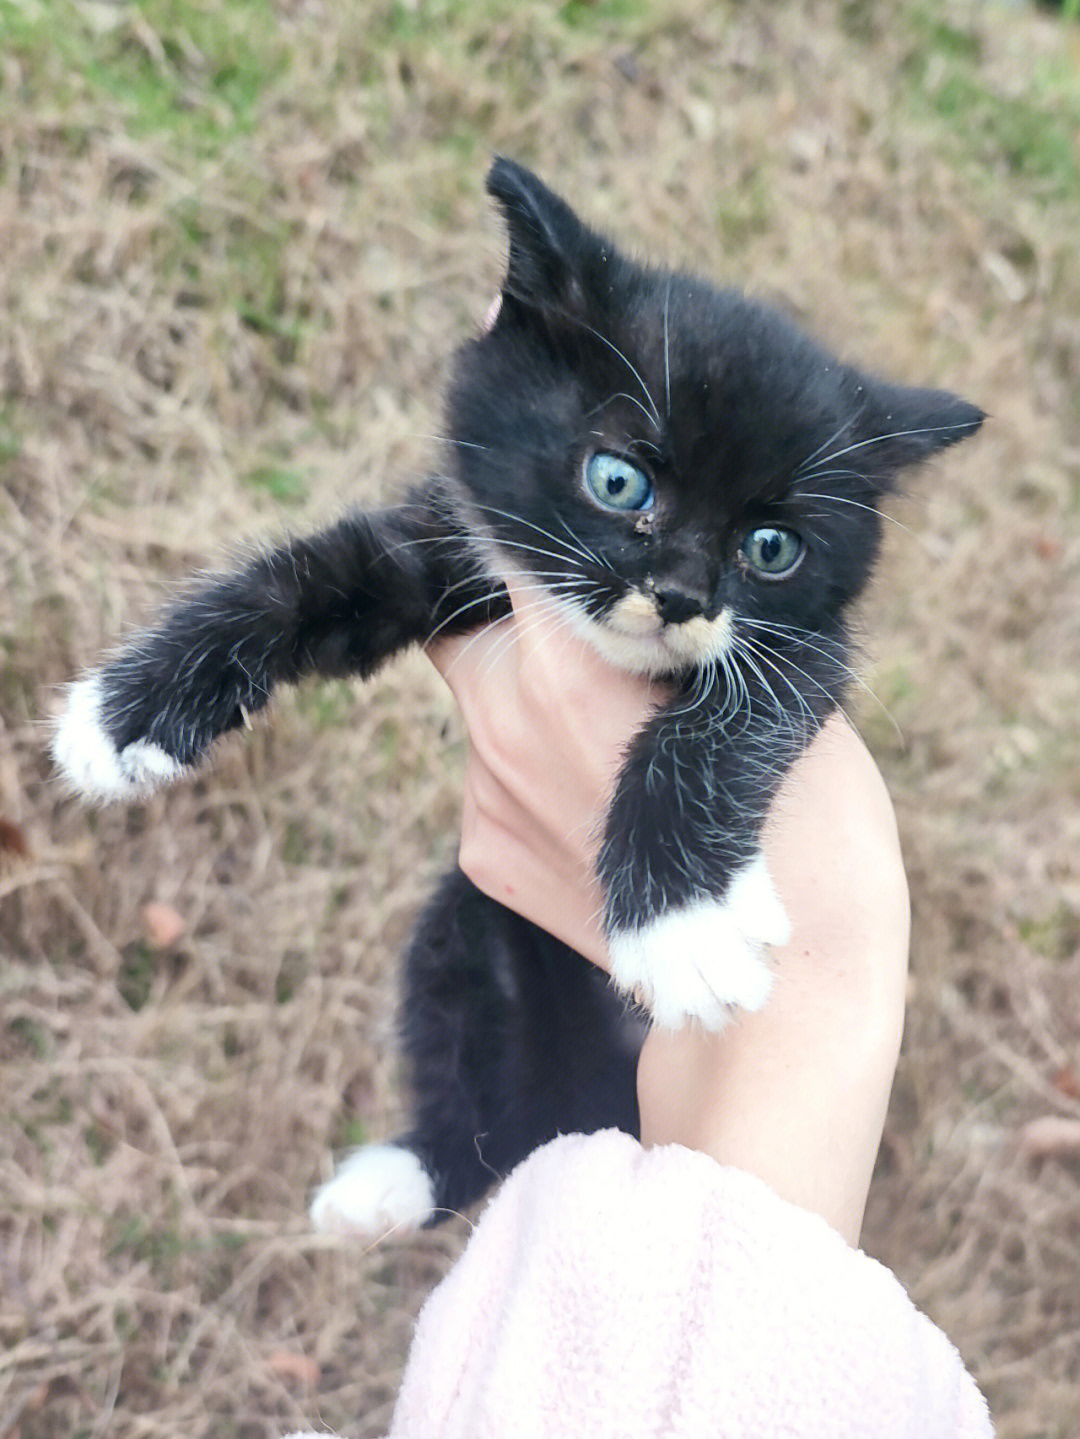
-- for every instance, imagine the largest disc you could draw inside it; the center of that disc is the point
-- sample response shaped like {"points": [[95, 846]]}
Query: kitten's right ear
{"points": [[547, 241]]}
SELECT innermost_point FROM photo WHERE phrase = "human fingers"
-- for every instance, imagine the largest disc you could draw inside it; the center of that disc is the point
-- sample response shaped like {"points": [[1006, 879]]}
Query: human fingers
{"points": [[548, 722]]}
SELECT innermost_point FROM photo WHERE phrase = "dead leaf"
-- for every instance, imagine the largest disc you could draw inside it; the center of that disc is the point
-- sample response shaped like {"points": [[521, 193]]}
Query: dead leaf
{"points": [[1052, 1135], [1049, 548], [163, 926], [295, 1367], [1066, 1081], [13, 839]]}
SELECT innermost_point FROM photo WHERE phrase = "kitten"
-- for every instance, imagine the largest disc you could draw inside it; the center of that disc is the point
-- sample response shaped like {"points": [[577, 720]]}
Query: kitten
{"points": [[694, 484]]}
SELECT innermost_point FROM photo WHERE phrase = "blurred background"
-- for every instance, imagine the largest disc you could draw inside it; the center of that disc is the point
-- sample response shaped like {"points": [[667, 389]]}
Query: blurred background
{"points": [[237, 243]]}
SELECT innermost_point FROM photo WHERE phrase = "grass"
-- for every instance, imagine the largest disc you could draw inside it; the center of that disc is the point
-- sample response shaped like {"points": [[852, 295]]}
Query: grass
{"points": [[284, 486], [239, 241], [194, 72], [1019, 123]]}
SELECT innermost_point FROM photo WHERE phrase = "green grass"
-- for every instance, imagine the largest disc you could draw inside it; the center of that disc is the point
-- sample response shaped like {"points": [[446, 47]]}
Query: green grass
{"points": [[1029, 132], [329, 705], [283, 485], [351, 1132], [135, 980], [1056, 936], [10, 440], [404, 21], [202, 322], [599, 14], [1029, 135], [193, 69], [940, 36]]}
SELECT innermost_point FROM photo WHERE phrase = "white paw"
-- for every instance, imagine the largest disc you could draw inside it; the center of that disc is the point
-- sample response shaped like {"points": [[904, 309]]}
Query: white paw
{"points": [[90, 760], [702, 962], [380, 1187]]}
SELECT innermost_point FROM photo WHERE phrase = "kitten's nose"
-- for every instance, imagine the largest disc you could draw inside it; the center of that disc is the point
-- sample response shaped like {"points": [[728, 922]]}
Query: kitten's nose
{"points": [[675, 606]]}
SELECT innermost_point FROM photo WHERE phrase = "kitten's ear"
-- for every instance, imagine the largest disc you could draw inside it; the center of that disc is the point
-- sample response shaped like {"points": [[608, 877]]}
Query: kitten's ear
{"points": [[909, 425], [547, 241]]}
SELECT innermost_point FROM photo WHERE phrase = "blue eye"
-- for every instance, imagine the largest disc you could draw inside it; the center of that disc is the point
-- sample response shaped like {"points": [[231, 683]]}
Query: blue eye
{"points": [[617, 484], [772, 551]]}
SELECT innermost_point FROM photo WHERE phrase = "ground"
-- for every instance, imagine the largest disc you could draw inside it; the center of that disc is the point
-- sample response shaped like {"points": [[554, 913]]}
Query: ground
{"points": [[236, 244]]}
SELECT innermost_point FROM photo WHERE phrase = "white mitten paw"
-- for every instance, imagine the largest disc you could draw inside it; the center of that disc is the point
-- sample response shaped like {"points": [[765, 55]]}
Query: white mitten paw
{"points": [[707, 960], [378, 1188], [90, 761]]}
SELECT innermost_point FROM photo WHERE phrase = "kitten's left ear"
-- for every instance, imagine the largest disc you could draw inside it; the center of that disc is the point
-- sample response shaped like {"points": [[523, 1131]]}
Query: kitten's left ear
{"points": [[909, 425], [548, 243]]}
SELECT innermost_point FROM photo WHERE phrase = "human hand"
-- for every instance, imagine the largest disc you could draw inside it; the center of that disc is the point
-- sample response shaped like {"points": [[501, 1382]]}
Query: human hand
{"points": [[548, 721], [795, 1093]]}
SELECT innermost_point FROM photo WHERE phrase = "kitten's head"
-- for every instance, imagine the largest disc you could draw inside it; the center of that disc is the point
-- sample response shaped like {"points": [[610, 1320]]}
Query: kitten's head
{"points": [[674, 465]]}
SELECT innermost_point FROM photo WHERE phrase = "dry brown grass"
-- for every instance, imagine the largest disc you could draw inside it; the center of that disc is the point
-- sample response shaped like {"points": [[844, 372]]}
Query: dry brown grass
{"points": [[212, 337]]}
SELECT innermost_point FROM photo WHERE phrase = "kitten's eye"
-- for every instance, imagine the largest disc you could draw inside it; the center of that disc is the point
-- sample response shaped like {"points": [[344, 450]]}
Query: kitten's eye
{"points": [[772, 551], [618, 484]]}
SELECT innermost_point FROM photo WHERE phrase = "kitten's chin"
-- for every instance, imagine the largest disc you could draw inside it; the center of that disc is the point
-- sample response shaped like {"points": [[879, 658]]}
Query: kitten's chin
{"points": [[659, 649]]}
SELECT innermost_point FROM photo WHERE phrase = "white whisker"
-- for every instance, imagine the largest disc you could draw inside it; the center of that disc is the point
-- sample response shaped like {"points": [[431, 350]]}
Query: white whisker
{"points": [[667, 352], [655, 413], [801, 638], [845, 425], [621, 395], [576, 549], [893, 435], [747, 644], [858, 505]]}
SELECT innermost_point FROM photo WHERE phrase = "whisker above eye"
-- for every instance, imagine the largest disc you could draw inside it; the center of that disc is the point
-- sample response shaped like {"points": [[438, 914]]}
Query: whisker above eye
{"points": [[654, 416], [894, 435], [846, 425], [667, 351], [621, 395], [461, 444]]}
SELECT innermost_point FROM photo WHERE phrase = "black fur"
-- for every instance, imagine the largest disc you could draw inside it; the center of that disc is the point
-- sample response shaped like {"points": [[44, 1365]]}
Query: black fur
{"points": [[510, 1038], [739, 421]]}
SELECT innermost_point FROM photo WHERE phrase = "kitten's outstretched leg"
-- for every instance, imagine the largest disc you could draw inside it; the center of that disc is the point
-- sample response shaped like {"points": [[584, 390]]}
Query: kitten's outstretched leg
{"points": [[335, 603]]}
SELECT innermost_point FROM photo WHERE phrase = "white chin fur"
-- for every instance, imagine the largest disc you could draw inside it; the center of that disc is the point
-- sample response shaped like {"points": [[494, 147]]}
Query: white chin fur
{"points": [[631, 640], [91, 762], [379, 1188], [702, 962]]}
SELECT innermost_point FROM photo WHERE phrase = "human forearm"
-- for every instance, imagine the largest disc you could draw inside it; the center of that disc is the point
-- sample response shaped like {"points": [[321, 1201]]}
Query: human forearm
{"points": [[797, 1092]]}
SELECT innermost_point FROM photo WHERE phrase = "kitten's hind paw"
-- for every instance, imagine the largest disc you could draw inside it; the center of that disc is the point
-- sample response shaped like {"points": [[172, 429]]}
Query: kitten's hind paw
{"points": [[707, 960], [379, 1188], [92, 763]]}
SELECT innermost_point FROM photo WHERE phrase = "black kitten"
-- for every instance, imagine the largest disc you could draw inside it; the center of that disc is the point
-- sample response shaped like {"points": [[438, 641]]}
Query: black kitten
{"points": [[693, 483]]}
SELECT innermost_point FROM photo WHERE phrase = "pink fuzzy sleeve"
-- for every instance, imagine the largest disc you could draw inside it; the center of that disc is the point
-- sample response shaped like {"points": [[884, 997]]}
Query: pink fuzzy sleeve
{"points": [[615, 1292]]}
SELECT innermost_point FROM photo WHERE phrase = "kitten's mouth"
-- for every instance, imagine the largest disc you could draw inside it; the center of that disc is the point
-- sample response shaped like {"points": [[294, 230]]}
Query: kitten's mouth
{"points": [[633, 636]]}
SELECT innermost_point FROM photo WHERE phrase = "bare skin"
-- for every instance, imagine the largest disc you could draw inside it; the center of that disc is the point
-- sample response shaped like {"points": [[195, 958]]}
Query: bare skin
{"points": [[795, 1094]]}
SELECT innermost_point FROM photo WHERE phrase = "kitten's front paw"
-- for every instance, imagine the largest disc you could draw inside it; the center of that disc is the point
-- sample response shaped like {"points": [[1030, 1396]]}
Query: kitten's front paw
{"points": [[379, 1188], [92, 763], [704, 961]]}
